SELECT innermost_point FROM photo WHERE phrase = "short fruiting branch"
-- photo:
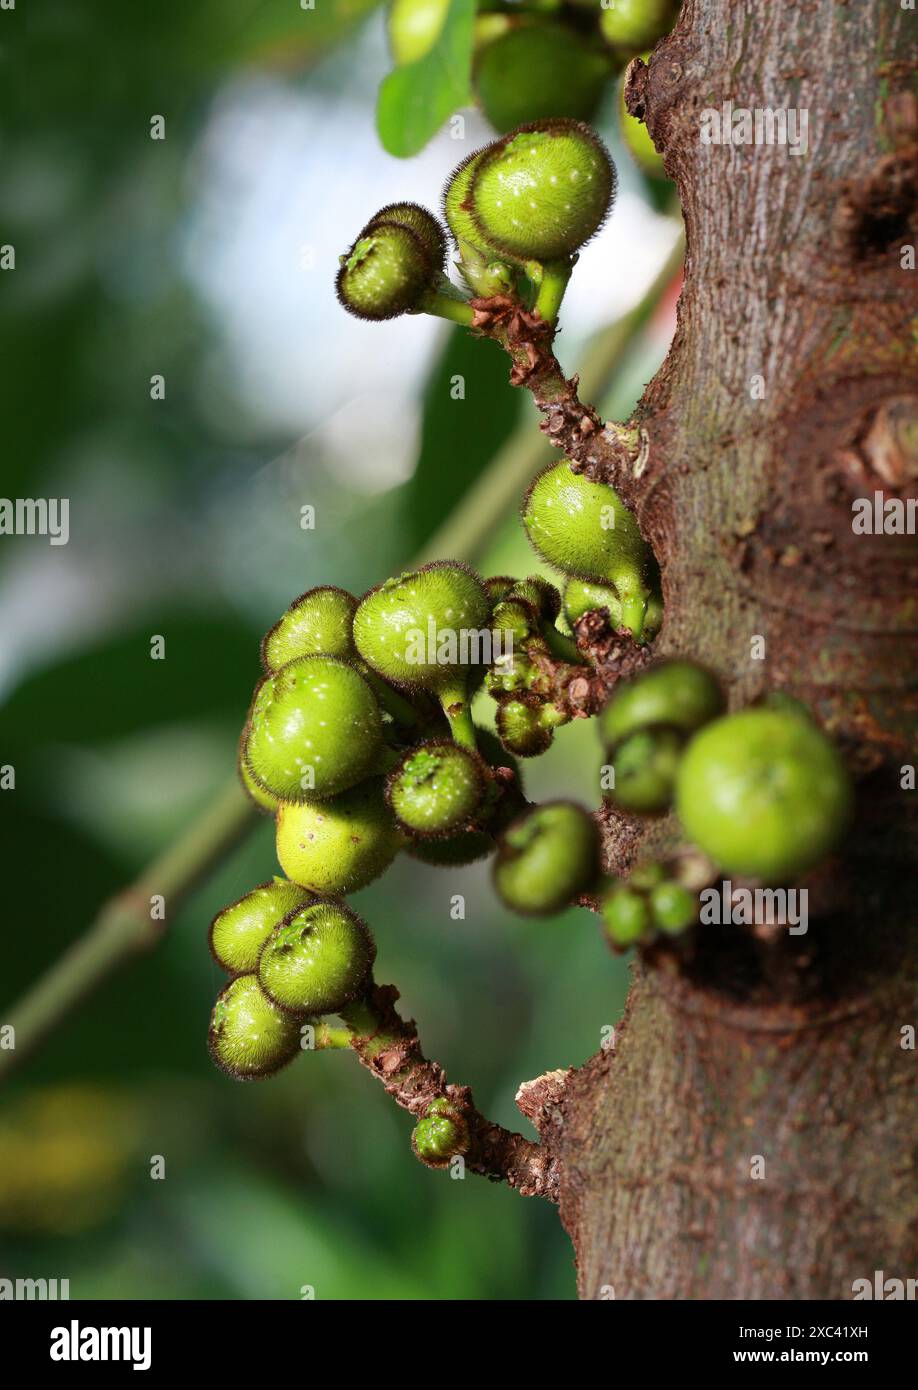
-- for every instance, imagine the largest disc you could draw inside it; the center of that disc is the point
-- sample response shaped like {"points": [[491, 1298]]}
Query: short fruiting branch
{"points": [[389, 1047]]}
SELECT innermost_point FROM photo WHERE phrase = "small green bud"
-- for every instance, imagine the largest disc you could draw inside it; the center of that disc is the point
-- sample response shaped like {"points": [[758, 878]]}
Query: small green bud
{"points": [[317, 960], [584, 529], [249, 1036], [541, 594], [763, 793], [453, 851], [436, 789], [441, 1134], [673, 907], [535, 71], [314, 729], [499, 586], [627, 917], [580, 597], [646, 764], [542, 191], [414, 27], [521, 727], [239, 931], [427, 228], [318, 623], [546, 858], [339, 845], [636, 24], [386, 273], [677, 694]]}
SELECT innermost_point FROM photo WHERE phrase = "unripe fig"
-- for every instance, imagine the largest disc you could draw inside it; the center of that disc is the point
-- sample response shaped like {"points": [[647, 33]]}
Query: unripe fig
{"points": [[318, 623], [646, 764], [542, 191], [580, 596], [441, 1134], [673, 907], [414, 27], [522, 728], [424, 630], [638, 140], [317, 960], [534, 71], [339, 845], [627, 917], [239, 931], [763, 793], [387, 272], [636, 24], [249, 1036], [314, 729], [678, 694], [584, 529], [427, 228], [542, 595], [436, 789], [546, 858]]}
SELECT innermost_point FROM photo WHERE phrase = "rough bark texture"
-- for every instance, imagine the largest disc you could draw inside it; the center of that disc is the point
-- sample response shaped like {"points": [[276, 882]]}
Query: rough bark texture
{"points": [[789, 1049]]}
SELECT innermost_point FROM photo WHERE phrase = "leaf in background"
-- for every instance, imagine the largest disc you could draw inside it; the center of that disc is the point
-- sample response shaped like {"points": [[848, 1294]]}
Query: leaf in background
{"points": [[459, 437], [416, 99]]}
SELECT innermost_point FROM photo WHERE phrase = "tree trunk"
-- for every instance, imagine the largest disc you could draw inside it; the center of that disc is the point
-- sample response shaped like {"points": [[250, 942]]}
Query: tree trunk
{"points": [[751, 1134]]}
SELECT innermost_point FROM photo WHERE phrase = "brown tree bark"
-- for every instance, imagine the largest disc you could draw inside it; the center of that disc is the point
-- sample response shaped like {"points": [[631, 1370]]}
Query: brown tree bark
{"points": [[786, 1048]]}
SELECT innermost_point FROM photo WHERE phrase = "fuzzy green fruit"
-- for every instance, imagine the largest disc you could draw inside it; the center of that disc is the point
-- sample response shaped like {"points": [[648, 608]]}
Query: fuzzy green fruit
{"points": [[763, 793], [673, 908], [637, 139], [314, 729], [421, 222], [581, 596], [387, 272], [584, 529], [646, 764], [318, 623], [239, 931], [538, 70], [636, 24], [340, 845], [266, 801], [627, 917], [522, 727], [427, 630], [249, 1036], [546, 858], [677, 694], [542, 191], [440, 1135], [317, 960], [414, 27], [436, 789]]}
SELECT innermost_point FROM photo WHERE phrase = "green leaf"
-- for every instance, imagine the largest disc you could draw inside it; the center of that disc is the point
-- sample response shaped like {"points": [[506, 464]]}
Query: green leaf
{"points": [[416, 99]]}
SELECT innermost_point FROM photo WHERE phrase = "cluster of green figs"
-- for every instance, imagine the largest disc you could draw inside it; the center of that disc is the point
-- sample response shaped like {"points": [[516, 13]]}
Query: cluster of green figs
{"points": [[360, 741], [537, 60]]}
